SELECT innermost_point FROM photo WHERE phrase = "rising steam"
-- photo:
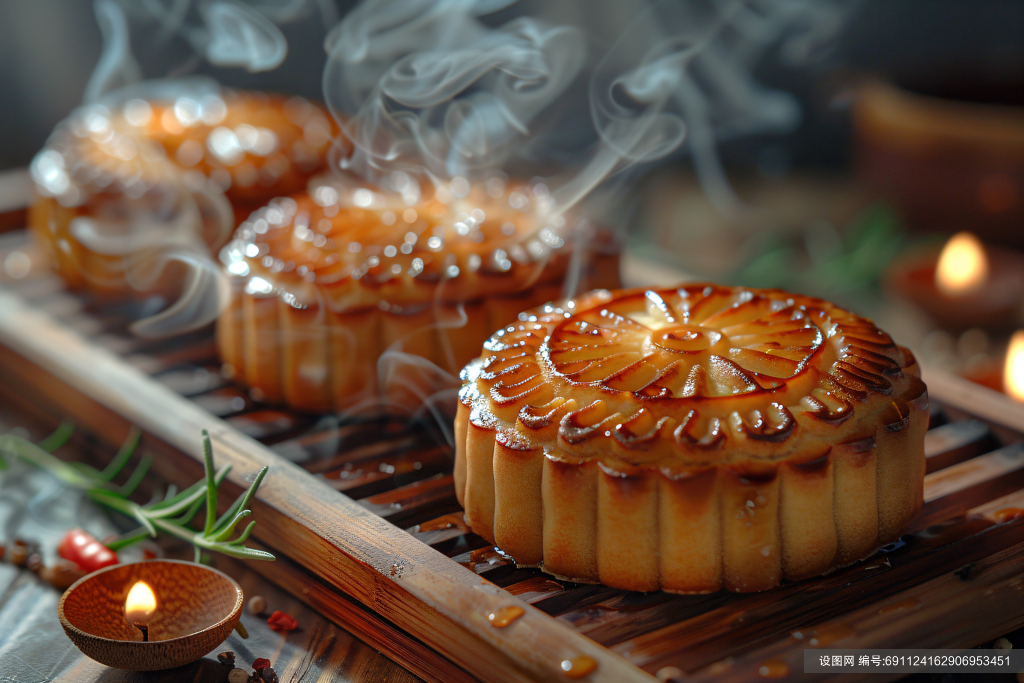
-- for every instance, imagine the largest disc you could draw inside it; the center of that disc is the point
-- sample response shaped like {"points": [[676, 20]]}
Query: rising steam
{"points": [[433, 96], [425, 87]]}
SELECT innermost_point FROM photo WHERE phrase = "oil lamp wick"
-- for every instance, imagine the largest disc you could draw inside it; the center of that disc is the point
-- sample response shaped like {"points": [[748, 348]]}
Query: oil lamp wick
{"points": [[145, 631]]}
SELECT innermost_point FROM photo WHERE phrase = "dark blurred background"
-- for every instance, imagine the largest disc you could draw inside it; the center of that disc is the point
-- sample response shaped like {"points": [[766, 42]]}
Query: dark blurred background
{"points": [[48, 48]]}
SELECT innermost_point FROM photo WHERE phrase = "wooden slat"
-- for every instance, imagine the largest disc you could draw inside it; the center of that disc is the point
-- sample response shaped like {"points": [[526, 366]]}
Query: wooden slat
{"points": [[989, 604], [379, 474], [751, 622], [975, 399], [353, 550], [973, 472], [651, 629], [417, 502], [955, 442], [379, 449]]}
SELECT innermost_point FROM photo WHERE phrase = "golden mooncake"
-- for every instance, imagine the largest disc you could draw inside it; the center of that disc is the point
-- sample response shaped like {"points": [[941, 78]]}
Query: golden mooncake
{"points": [[690, 439], [339, 294], [116, 184]]}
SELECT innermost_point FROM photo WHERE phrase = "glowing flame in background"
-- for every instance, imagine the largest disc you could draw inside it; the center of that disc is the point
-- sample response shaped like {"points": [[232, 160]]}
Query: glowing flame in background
{"points": [[963, 265], [1013, 371]]}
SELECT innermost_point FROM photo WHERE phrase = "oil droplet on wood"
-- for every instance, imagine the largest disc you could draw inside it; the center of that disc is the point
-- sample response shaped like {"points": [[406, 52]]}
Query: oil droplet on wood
{"points": [[1008, 514], [826, 635], [668, 672], [774, 668], [538, 584], [503, 616], [487, 555], [578, 667], [908, 604], [452, 521]]}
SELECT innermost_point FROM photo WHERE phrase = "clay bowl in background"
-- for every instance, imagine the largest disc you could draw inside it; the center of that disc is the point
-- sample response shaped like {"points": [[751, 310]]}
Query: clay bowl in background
{"points": [[947, 164], [197, 608]]}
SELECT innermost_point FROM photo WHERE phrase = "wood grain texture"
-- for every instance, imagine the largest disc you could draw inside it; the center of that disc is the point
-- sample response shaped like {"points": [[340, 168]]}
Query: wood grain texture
{"points": [[987, 605], [408, 583], [957, 392], [973, 496]]}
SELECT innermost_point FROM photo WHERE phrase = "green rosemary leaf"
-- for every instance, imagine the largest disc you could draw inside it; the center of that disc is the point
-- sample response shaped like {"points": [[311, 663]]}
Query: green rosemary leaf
{"points": [[123, 455], [137, 476], [227, 531], [128, 539], [190, 491], [176, 509], [189, 514], [59, 437], [211, 486], [245, 534], [140, 515], [243, 502]]}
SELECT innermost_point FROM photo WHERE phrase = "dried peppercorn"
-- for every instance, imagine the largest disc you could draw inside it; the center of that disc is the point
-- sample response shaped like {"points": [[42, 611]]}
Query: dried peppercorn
{"points": [[227, 658], [261, 663], [279, 621], [967, 572], [257, 604], [62, 574], [268, 675], [85, 551], [19, 553], [34, 562]]}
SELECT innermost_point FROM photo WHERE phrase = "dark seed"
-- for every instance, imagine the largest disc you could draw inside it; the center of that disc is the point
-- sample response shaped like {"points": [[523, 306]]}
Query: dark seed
{"points": [[227, 658], [268, 675], [19, 553], [34, 562], [967, 572]]}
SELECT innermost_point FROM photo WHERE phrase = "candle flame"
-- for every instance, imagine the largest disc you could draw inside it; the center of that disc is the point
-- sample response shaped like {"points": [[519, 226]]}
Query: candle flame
{"points": [[962, 267], [1013, 372], [141, 603]]}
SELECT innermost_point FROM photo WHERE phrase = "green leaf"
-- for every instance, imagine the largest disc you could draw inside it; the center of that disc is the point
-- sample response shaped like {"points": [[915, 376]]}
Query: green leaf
{"points": [[227, 531], [245, 534], [123, 455], [137, 476], [180, 506], [189, 514], [33, 454], [128, 539], [211, 486], [59, 437], [243, 502]]}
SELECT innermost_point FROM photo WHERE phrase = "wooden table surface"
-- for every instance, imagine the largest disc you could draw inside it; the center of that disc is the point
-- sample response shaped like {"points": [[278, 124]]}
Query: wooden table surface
{"points": [[34, 649]]}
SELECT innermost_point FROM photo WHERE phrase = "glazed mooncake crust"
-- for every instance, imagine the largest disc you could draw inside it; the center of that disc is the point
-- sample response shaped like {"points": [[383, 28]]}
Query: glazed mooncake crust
{"points": [[690, 439], [167, 173], [324, 282]]}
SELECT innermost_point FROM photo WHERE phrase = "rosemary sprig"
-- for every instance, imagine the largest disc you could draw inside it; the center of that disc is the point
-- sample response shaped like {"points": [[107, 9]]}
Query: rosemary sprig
{"points": [[170, 515]]}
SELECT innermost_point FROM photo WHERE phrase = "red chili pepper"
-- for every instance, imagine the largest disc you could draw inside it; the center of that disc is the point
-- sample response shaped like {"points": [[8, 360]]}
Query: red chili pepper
{"points": [[261, 663], [279, 621], [85, 551]]}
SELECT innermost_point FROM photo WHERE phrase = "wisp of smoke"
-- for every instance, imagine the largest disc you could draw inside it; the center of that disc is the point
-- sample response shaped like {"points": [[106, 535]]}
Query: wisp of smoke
{"points": [[428, 92], [425, 87]]}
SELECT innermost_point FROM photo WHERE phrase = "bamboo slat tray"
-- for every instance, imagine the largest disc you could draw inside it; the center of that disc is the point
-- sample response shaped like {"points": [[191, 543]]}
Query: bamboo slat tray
{"points": [[364, 519]]}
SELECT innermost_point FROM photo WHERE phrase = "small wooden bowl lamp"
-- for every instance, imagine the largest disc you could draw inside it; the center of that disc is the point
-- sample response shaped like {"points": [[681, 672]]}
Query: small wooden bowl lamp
{"points": [[187, 610]]}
